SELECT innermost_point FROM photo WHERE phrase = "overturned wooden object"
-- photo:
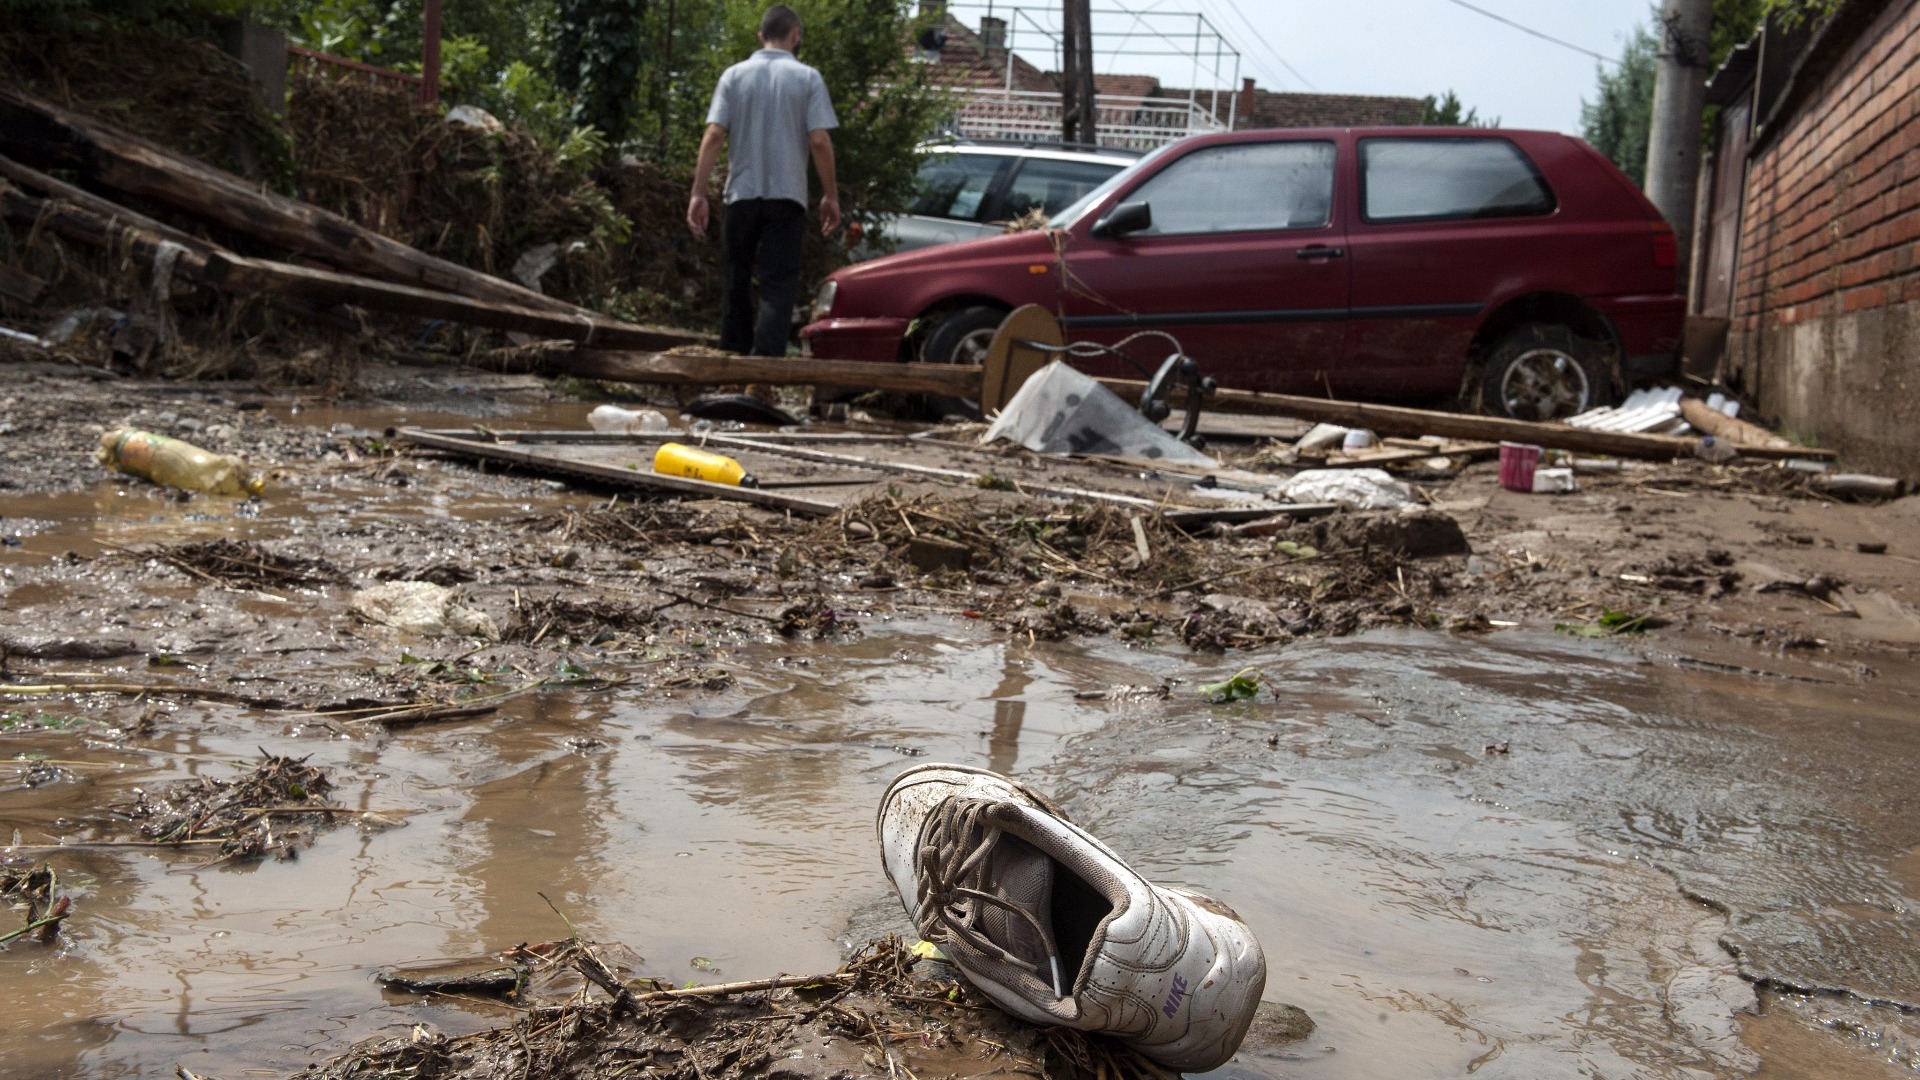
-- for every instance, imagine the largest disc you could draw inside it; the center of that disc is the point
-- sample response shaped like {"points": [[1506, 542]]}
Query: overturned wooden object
{"points": [[39, 133], [325, 288], [1734, 430]]}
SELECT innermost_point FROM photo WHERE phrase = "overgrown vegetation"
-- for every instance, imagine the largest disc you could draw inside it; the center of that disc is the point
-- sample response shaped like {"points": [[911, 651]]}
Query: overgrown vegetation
{"points": [[1619, 118], [603, 103], [1617, 121]]}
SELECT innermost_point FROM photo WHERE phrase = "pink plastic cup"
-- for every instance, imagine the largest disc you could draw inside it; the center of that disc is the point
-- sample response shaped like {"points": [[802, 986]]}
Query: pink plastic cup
{"points": [[1517, 462]]}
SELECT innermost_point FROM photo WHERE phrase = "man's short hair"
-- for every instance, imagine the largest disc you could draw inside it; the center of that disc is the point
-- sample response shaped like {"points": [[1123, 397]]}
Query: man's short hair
{"points": [[779, 23]]}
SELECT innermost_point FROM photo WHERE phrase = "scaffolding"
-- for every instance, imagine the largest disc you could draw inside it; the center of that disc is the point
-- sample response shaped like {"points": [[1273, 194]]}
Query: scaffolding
{"points": [[1013, 34]]}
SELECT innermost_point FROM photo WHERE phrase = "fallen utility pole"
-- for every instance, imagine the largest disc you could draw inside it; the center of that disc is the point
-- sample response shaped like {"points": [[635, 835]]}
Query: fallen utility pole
{"points": [[675, 370], [46, 134], [965, 381], [324, 288], [1400, 420]]}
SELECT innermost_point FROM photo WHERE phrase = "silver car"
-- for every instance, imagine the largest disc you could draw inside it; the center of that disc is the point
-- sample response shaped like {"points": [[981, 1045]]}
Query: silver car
{"points": [[969, 190]]}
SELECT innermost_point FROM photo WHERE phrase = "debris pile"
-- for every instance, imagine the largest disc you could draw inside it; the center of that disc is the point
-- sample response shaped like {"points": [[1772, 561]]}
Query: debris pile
{"points": [[37, 890], [249, 564], [880, 1014], [272, 810]]}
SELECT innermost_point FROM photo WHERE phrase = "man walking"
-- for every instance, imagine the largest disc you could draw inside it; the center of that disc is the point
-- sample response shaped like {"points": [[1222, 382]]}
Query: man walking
{"points": [[771, 111]]}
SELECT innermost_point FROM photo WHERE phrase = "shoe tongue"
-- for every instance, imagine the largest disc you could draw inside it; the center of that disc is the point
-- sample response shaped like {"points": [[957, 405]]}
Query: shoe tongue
{"points": [[1020, 874]]}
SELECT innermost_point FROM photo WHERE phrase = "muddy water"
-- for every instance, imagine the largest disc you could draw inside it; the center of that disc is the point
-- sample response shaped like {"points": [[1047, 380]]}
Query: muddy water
{"points": [[1520, 855], [1439, 908]]}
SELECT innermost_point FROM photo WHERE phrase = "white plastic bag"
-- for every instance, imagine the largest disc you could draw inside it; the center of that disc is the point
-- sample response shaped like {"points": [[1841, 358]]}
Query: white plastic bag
{"points": [[1355, 489], [1058, 410], [421, 607]]}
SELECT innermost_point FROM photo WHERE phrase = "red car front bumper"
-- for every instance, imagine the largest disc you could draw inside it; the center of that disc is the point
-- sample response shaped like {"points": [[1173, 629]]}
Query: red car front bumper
{"points": [[855, 339]]}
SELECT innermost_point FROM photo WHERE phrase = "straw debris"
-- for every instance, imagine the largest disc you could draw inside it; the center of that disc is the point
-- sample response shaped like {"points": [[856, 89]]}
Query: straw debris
{"points": [[879, 1015]]}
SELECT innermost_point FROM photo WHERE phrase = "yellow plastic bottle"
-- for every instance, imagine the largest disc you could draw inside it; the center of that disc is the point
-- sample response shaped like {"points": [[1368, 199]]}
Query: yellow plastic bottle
{"points": [[176, 464], [678, 459]]}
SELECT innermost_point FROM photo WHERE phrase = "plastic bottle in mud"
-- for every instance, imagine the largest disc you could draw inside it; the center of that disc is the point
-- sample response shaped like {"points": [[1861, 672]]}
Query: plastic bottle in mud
{"points": [[678, 459], [176, 464], [612, 419]]}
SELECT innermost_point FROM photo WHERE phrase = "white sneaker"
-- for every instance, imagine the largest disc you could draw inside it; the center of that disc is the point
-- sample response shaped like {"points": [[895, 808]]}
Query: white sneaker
{"points": [[1056, 929]]}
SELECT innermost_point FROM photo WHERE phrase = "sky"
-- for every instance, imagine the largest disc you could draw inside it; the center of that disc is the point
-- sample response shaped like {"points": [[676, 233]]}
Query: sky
{"points": [[1408, 48]]}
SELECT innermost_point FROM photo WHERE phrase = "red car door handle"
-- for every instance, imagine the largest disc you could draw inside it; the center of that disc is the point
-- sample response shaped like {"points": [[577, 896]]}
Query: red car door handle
{"points": [[1319, 251]]}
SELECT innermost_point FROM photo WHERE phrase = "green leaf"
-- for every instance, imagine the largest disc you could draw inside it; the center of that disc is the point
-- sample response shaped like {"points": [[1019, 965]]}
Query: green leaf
{"points": [[1612, 623], [1241, 687]]}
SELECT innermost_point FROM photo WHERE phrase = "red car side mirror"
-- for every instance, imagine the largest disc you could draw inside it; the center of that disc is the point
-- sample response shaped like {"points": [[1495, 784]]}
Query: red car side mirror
{"points": [[1129, 217]]}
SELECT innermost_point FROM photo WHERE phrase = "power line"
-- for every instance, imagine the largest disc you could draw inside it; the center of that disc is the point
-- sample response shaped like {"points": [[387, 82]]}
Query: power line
{"points": [[1530, 30], [1252, 58], [1232, 6]]}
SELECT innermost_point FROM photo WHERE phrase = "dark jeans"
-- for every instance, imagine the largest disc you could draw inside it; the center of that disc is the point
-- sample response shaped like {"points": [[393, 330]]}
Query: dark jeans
{"points": [[761, 234]]}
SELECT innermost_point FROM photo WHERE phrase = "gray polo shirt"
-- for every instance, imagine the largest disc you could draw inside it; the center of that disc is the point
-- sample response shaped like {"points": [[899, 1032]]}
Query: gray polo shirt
{"points": [[769, 103]]}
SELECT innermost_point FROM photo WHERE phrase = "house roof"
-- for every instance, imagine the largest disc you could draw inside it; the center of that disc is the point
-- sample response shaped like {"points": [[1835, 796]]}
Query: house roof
{"points": [[966, 61], [1139, 86], [1276, 110]]}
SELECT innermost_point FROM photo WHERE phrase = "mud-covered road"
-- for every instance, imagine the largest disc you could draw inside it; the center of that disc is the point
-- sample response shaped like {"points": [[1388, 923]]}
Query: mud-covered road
{"points": [[1468, 842]]}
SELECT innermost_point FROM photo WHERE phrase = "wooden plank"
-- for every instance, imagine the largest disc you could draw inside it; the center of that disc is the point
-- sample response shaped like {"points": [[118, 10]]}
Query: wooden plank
{"points": [[473, 445], [678, 370], [326, 288], [45, 134], [961, 476], [20, 286], [1233, 514], [620, 438]]}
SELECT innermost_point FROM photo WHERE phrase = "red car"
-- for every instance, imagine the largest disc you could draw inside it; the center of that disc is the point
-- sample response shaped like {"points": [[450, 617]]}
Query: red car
{"points": [[1379, 263]]}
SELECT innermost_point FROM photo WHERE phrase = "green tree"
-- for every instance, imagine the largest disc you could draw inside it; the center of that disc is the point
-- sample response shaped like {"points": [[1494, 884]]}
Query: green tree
{"points": [[597, 52], [1448, 112], [1617, 121]]}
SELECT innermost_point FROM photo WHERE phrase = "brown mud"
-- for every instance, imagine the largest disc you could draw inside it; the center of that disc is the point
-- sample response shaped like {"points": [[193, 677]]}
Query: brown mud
{"points": [[1468, 842]]}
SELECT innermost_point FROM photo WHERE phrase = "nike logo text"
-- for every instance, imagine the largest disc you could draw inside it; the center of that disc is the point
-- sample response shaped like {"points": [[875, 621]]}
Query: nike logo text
{"points": [[1173, 997]]}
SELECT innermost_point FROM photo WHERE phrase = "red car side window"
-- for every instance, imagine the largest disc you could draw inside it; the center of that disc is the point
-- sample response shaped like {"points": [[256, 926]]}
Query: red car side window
{"points": [[1242, 188], [1442, 179]]}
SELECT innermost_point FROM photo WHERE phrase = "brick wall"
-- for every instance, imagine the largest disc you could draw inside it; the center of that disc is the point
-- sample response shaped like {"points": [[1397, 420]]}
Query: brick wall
{"points": [[1826, 290]]}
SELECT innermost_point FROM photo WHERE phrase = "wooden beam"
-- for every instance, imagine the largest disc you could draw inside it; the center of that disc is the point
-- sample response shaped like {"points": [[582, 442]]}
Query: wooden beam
{"points": [[904, 468], [45, 134], [553, 461], [325, 288], [85, 227], [678, 370], [35, 180]]}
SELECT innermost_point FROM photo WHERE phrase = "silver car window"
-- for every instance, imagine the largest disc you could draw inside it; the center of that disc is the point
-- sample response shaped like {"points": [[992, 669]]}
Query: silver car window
{"points": [[1050, 185], [956, 185]]}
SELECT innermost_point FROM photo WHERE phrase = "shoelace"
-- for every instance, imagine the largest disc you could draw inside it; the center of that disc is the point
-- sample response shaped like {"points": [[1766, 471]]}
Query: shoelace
{"points": [[949, 876]]}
